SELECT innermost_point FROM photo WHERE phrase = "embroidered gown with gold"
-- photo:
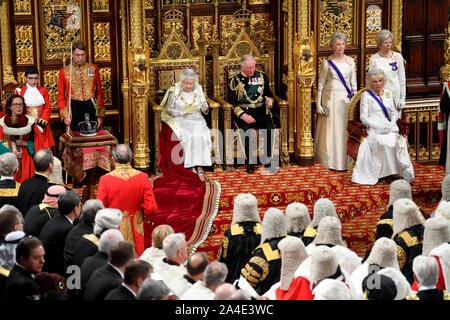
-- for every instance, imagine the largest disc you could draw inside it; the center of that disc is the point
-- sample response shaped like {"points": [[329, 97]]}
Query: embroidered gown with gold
{"points": [[130, 191]]}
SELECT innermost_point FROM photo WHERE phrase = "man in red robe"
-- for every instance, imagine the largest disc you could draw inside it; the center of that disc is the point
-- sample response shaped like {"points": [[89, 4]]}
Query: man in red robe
{"points": [[130, 191], [38, 105]]}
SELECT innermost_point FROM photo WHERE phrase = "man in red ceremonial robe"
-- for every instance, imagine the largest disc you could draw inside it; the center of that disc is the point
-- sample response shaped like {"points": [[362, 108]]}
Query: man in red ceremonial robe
{"points": [[131, 191], [86, 96], [38, 105]]}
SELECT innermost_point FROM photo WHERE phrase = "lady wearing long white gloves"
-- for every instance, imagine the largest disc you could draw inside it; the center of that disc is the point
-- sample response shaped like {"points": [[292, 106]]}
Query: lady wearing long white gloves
{"points": [[337, 83], [384, 151]]}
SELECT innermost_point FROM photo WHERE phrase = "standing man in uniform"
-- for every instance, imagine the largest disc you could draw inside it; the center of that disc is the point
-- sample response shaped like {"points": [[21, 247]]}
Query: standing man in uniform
{"points": [[86, 96], [249, 93]]}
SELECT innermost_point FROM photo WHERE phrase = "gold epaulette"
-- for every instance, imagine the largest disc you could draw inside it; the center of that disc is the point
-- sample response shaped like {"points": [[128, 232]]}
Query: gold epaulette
{"points": [[236, 229], [412, 297], [10, 192], [257, 229], [269, 253], [310, 232], [446, 295], [4, 272], [387, 221], [92, 238]]}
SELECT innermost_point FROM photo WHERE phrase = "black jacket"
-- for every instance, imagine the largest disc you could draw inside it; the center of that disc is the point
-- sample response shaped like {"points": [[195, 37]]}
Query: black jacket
{"points": [[85, 248], [53, 235], [120, 293], [73, 239], [20, 286], [32, 192], [102, 282], [37, 217], [9, 191]]}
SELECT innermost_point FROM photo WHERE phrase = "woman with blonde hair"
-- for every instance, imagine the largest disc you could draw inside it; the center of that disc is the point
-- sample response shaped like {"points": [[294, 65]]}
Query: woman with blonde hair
{"points": [[383, 152], [391, 63]]}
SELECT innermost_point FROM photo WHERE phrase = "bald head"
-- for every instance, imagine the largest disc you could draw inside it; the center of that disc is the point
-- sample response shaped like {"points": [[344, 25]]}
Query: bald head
{"points": [[122, 154], [224, 292], [196, 265]]}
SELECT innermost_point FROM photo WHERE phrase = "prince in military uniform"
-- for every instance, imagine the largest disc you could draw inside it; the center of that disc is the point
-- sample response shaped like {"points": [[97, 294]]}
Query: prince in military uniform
{"points": [[86, 96], [249, 93]]}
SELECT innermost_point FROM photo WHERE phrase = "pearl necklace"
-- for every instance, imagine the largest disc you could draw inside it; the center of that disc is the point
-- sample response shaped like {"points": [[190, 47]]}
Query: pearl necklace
{"points": [[387, 55]]}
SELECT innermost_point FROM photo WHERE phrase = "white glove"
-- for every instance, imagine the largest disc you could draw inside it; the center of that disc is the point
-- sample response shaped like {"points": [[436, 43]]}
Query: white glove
{"points": [[40, 129], [320, 110], [383, 129]]}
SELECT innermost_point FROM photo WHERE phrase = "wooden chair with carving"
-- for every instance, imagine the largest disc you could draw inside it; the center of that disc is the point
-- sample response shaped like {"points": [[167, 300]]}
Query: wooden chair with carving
{"points": [[357, 131], [226, 64], [164, 69]]}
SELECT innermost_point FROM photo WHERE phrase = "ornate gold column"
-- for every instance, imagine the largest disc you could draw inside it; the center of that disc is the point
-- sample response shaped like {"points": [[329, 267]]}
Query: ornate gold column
{"points": [[291, 76], [396, 23], [445, 69], [127, 135], [138, 55], [8, 73], [304, 146]]}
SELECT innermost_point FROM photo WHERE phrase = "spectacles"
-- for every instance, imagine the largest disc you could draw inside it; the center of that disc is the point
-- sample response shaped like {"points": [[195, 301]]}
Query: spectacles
{"points": [[32, 78], [17, 104]]}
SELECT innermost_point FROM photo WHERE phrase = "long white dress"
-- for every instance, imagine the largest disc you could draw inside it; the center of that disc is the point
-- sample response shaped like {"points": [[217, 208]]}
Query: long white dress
{"points": [[384, 151], [330, 148], [394, 69], [186, 120]]}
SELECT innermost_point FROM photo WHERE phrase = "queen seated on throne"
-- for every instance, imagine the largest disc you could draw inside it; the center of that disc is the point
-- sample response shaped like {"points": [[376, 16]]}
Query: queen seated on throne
{"points": [[183, 105]]}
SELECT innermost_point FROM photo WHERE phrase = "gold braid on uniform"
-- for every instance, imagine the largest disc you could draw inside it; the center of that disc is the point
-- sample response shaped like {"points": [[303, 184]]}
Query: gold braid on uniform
{"points": [[259, 99], [224, 249], [253, 276], [401, 257]]}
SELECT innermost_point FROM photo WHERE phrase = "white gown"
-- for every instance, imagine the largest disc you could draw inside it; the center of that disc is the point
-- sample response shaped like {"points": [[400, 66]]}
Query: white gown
{"points": [[330, 147], [189, 125], [395, 79], [384, 151]]}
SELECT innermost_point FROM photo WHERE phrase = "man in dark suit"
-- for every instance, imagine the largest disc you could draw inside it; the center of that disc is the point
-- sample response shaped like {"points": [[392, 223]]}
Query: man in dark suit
{"points": [[20, 285], [32, 190], [135, 274], [99, 259], [10, 220], [110, 276], [54, 233], [426, 275], [9, 189], [86, 226], [40, 214], [108, 218]]}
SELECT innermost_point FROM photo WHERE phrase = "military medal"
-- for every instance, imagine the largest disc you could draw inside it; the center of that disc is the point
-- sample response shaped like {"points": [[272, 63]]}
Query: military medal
{"points": [[394, 66]]}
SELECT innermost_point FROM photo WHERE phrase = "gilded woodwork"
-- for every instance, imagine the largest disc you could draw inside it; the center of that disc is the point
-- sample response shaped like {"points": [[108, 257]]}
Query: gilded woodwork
{"points": [[251, 2], [148, 4], [138, 57], [336, 16], [373, 24], [8, 74], [24, 44], [201, 26], [127, 131], [150, 35], [21, 78], [100, 6], [422, 116], [445, 69], [22, 7], [102, 42], [105, 77], [305, 72], [193, 2], [51, 84], [61, 21], [396, 24]]}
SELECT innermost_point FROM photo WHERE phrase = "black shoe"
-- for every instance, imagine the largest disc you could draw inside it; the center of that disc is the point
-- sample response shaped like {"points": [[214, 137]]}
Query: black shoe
{"points": [[250, 168]]}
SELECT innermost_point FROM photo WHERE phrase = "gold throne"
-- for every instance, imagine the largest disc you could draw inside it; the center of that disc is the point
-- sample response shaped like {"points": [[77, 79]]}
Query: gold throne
{"points": [[226, 64], [164, 69]]}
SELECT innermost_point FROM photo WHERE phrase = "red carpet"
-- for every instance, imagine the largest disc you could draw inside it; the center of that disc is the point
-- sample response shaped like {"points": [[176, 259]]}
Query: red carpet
{"points": [[358, 207]]}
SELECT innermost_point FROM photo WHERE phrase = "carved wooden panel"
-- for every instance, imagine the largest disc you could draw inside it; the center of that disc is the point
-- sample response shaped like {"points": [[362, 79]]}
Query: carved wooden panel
{"points": [[24, 44], [336, 16], [22, 7], [102, 42]]}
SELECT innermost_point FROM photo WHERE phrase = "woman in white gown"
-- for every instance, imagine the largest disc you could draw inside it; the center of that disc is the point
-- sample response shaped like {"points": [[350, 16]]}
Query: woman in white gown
{"points": [[384, 151], [392, 64], [183, 105], [333, 96]]}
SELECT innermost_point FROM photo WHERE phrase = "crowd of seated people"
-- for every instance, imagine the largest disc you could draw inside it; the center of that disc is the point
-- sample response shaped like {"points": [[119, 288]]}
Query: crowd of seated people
{"points": [[274, 258]]}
